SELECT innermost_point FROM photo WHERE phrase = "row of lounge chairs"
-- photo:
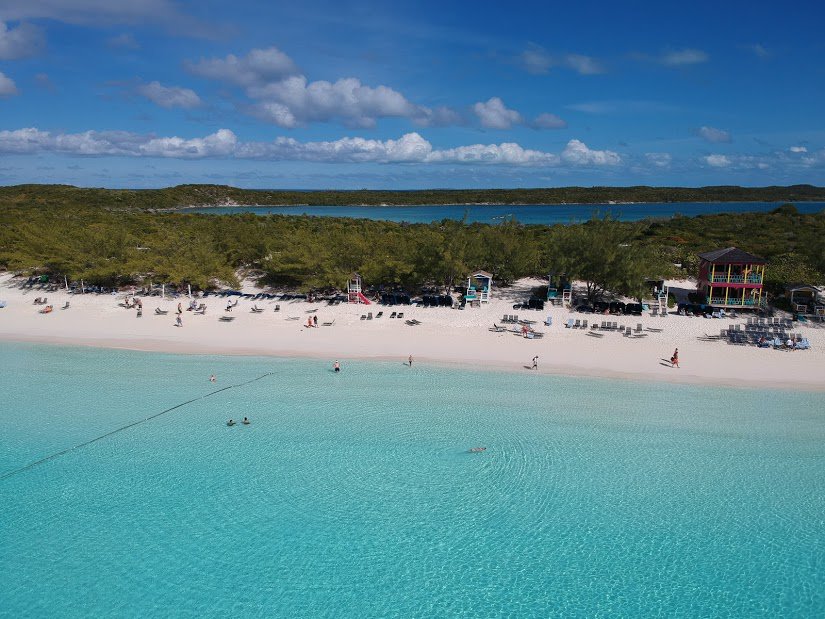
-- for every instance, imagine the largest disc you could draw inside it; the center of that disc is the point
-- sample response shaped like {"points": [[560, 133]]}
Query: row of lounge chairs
{"points": [[368, 316], [509, 319]]}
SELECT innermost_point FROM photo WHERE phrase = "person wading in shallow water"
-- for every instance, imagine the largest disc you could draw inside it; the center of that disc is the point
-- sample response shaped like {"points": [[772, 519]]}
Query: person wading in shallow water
{"points": [[336, 366], [409, 361]]}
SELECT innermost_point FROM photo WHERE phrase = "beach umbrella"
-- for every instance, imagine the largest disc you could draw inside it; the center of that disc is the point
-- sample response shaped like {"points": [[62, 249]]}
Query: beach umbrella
{"points": [[163, 291], [66, 281], [189, 286]]}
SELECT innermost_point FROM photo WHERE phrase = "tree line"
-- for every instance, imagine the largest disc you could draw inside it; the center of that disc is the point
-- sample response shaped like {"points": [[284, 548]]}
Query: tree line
{"points": [[210, 195], [108, 246]]}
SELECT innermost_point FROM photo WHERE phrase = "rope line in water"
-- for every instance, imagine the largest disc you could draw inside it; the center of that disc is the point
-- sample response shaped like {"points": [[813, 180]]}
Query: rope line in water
{"points": [[126, 427]]}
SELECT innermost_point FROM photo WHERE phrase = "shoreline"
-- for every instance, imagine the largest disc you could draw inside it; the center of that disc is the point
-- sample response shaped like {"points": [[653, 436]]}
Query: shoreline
{"points": [[443, 336], [617, 203], [495, 367]]}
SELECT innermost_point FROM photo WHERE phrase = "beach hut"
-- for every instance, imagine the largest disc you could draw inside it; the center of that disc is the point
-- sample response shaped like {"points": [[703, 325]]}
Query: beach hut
{"points": [[479, 286], [731, 278], [354, 294], [805, 299]]}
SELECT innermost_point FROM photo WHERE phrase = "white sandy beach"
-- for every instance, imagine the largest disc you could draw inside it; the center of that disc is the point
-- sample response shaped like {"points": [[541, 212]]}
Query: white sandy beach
{"points": [[445, 335]]}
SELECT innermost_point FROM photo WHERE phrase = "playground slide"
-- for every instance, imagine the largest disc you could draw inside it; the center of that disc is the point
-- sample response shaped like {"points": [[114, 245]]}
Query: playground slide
{"points": [[363, 299]]}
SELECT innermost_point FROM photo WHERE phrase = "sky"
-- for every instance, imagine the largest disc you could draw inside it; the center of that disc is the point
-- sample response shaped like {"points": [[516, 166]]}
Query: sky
{"points": [[406, 95]]}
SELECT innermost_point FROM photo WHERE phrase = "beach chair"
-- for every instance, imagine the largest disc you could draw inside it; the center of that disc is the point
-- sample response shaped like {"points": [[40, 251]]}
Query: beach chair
{"points": [[496, 329], [226, 318], [628, 331], [363, 316], [584, 324], [369, 316], [577, 325], [505, 318], [66, 306], [594, 327], [400, 315], [393, 315], [615, 326], [328, 324], [638, 327], [594, 334], [655, 311], [277, 308], [378, 315], [548, 322], [160, 312], [515, 318], [569, 324]]}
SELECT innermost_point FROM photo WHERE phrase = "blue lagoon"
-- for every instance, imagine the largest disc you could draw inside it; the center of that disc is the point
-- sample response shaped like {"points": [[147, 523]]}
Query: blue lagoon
{"points": [[355, 495]]}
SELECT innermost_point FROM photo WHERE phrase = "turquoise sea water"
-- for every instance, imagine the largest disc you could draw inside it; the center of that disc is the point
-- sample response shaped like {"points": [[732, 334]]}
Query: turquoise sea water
{"points": [[525, 213], [354, 495]]}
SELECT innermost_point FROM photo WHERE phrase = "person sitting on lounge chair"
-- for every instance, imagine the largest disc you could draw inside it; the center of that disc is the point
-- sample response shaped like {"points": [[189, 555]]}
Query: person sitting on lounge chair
{"points": [[46, 309]]}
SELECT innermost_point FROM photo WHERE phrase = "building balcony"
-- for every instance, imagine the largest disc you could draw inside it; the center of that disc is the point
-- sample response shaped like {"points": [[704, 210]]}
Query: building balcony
{"points": [[735, 302], [736, 279]]}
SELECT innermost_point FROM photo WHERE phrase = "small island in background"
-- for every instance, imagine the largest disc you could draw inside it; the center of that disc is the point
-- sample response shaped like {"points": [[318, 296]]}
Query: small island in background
{"points": [[182, 196]]}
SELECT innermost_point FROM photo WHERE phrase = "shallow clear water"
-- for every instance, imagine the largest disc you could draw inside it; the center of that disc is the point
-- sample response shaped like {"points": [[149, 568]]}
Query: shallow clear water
{"points": [[354, 495], [525, 213]]}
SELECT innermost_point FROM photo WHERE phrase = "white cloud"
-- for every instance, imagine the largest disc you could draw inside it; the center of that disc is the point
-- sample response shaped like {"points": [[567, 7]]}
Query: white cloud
{"points": [[798, 149], [577, 153], [294, 101], [224, 144], [681, 57], [584, 65], [660, 160], [508, 153], [717, 161], [493, 114], [536, 60], [7, 86], [548, 121], [21, 42], [169, 96], [441, 116], [259, 67], [712, 135], [107, 13]]}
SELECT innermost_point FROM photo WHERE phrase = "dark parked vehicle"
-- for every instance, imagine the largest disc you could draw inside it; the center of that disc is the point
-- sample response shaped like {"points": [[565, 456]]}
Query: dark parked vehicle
{"points": [[584, 309], [633, 309]]}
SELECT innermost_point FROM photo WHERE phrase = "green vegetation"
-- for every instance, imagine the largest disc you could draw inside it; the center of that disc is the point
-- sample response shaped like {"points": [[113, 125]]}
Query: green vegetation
{"points": [[111, 246], [207, 195]]}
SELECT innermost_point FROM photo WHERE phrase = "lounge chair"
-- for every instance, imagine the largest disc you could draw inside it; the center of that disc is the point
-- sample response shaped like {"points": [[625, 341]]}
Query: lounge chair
{"points": [[569, 324], [378, 315], [328, 324], [400, 315], [505, 318], [496, 329], [638, 328], [369, 316], [615, 326], [584, 324], [577, 325], [160, 312], [226, 318], [66, 306], [256, 309], [46, 310], [628, 331], [594, 334], [548, 322], [277, 308], [363, 316], [393, 315]]}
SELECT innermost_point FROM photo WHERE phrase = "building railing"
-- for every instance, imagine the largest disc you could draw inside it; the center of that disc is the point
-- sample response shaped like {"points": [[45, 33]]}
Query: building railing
{"points": [[736, 279], [736, 301]]}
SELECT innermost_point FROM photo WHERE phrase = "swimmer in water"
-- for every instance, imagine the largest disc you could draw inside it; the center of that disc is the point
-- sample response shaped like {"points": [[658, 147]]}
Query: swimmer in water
{"points": [[475, 450], [245, 421], [213, 378], [231, 422]]}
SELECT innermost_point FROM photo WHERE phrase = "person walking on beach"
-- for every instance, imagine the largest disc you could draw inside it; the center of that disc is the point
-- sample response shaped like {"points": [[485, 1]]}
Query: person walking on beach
{"points": [[178, 322], [409, 360], [536, 362], [674, 360], [180, 309], [315, 321]]}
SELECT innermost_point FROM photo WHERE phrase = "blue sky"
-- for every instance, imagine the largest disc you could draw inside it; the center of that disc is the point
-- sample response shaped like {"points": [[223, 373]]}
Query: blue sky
{"points": [[313, 94]]}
